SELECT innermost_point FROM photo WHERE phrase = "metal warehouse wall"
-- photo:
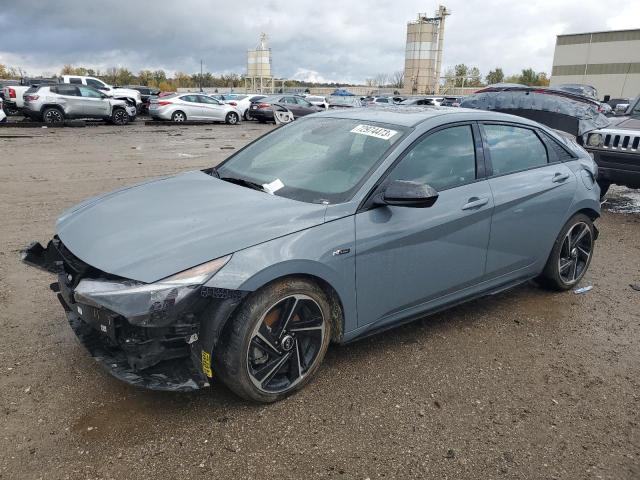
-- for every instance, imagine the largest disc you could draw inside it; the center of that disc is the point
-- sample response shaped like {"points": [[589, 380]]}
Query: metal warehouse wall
{"points": [[610, 61]]}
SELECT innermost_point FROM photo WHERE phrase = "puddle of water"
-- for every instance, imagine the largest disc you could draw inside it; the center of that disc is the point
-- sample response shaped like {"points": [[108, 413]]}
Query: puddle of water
{"points": [[623, 200]]}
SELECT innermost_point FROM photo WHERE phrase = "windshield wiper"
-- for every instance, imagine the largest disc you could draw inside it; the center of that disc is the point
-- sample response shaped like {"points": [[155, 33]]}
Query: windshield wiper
{"points": [[243, 182], [214, 172]]}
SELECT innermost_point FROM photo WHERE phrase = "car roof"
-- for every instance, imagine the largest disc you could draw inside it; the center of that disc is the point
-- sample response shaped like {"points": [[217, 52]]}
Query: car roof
{"points": [[412, 116]]}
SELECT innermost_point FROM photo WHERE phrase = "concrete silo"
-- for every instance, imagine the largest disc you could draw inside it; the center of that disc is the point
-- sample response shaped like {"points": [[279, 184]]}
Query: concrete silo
{"points": [[423, 58], [259, 78]]}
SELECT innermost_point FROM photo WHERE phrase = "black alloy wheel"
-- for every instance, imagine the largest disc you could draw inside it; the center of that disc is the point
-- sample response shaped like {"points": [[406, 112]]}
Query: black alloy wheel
{"points": [[120, 117], [575, 253], [52, 116], [285, 344]]}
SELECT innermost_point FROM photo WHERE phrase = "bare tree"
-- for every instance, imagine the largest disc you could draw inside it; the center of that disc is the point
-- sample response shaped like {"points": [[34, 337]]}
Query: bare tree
{"points": [[381, 79], [398, 79]]}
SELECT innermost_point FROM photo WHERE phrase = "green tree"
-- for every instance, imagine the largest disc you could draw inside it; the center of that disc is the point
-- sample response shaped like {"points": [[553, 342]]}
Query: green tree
{"points": [[529, 77], [145, 77], [495, 76], [159, 76]]}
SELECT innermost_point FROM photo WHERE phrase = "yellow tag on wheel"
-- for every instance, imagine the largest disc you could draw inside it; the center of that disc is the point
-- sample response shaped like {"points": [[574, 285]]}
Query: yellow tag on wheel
{"points": [[206, 364]]}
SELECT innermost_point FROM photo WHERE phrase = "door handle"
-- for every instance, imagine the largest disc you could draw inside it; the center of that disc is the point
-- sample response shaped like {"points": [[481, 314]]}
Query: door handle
{"points": [[560, 177], [475, 202]]}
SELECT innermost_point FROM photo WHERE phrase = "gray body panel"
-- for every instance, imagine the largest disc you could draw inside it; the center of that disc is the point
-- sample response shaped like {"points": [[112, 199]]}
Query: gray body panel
{"points": [[407, 257], [401, 262], [529, 213], [159, 228]]}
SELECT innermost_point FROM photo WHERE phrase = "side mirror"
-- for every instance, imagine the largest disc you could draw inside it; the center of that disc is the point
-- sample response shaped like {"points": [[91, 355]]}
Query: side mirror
{"points": [[404, 193]]}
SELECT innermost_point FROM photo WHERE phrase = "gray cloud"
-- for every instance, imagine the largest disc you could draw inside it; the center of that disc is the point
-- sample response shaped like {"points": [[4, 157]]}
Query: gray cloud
{"points": [[334, 40]]}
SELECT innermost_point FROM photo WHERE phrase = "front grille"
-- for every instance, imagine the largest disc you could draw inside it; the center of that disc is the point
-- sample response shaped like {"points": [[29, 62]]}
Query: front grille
{"points": [[621, 141]]}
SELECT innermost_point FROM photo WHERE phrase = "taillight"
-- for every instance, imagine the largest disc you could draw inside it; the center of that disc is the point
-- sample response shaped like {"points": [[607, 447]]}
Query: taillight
{"points": [[12, 93], [164, 103], [264, 105]]}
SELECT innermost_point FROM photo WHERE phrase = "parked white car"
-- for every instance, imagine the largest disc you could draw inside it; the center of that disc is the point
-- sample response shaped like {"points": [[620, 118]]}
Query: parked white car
{"points": [[318, 101], [180, 107], [242, 102], [3, 116], [120, 93]]}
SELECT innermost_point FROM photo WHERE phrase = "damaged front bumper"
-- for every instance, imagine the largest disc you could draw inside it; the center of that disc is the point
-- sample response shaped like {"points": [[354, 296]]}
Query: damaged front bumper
{"points": [[160, 338]]}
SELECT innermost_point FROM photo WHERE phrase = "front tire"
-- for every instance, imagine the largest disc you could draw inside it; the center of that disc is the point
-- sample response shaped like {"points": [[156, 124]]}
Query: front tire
{"points": [[276, 341], [571, 254], [119, 117], [232, 118]]}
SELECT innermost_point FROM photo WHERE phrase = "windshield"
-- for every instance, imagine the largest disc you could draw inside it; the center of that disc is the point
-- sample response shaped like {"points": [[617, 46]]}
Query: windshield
{"points": [[315, 160]]}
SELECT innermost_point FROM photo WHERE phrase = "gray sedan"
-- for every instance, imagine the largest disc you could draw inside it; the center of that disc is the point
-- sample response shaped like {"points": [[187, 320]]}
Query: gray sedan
{"points": [[180, 107], [328, 229]]}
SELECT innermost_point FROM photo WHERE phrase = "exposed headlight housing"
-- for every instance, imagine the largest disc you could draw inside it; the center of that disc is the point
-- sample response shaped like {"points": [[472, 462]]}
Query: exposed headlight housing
{"points": [[147, 303], [595, 140]]}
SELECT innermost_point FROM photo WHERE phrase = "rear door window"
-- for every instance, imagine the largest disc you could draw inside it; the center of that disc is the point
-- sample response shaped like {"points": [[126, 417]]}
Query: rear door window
{"points": [[68, 90], [513, 149], [75, 81]]}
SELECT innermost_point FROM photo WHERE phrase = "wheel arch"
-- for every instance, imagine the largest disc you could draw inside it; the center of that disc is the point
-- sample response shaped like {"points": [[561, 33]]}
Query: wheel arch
{"points": [[51, 105], [589, 212], [311, 271]]}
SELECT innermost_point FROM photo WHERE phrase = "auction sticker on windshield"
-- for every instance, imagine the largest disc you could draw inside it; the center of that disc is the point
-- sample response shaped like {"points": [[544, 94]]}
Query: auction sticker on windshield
{"points": [[373, 131]]}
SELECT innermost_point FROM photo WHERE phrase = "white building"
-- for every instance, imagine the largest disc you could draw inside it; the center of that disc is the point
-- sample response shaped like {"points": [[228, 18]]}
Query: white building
{"points": [[610, 61]]}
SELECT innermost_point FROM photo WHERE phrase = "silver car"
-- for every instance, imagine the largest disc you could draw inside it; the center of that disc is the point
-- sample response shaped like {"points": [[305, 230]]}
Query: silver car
{"points": [[333, 227], [181, 107], [57, 103]]}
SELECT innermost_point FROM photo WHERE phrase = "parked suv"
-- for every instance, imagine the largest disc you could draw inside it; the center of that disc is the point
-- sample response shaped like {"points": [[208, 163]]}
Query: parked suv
{"points": [[57, 103], [115, 92]]}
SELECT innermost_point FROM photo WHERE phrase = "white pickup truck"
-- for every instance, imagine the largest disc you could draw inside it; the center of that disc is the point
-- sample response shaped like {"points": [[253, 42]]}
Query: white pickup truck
{"points": [[13, 94], [119, 93]]}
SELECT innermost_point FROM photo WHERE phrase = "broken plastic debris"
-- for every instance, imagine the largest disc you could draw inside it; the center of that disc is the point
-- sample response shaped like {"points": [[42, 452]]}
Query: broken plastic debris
{"points": [[583, 289], [635, 286]]}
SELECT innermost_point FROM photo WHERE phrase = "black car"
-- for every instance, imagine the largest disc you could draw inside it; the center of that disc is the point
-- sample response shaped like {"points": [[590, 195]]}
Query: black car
{"points": [[146, 94], [616, 149], [451, 101], [262, 110]]}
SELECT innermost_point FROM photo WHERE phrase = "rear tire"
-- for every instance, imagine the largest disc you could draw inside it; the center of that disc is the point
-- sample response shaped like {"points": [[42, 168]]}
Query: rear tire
{"points": [[232, 118], [179, 116], [571, 254], [52, 116], [246, 115], [275, 341], [10, 111]]}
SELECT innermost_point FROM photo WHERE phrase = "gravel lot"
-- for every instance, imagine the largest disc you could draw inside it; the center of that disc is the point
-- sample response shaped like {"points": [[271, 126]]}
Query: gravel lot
{"points": [[525, 384]]}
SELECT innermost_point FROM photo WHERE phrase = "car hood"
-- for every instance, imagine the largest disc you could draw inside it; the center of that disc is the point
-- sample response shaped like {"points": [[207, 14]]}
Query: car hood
{"points": [[155, 229], [129, 92], [626, 123]]}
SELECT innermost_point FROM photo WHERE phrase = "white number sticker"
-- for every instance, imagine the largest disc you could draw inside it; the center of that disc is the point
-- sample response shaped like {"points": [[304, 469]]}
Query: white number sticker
{"points": [[373, 131]]}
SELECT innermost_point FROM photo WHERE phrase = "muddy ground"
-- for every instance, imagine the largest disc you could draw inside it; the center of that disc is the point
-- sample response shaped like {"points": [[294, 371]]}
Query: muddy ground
{"points": [[527, 384]]}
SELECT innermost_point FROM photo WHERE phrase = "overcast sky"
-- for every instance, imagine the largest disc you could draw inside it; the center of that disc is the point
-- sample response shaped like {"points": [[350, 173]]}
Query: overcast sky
{"points": [[343, 41]]}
